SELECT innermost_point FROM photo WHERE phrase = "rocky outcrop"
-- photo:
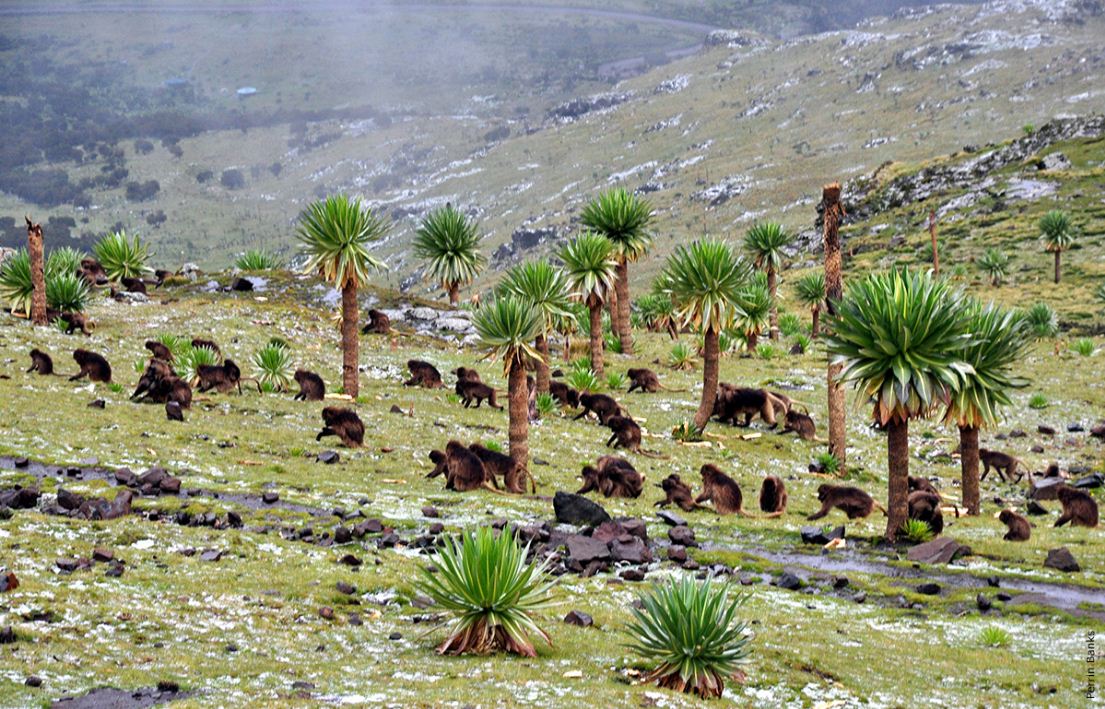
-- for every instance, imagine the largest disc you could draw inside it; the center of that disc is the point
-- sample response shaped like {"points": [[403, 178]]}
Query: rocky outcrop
{"points": [[578, 107]]}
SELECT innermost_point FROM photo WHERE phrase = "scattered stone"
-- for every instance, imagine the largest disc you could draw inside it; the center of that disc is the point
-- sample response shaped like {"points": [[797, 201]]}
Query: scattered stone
{"points": [[211, 555], [355, 619], [814, 535], [300, 684], [1075, 428], [1062, 560], [677, 553], [578, 510], [585, 549], [21, 463], [1017, 433], [928, 589], [840, 582], [636, 527], [68, 500], [170, 485], [1090, 481], [386, 541], [369, 526], [631, 549], [350, 560], [430, 511], [395, 636], [342, 535], [633, 575], [788, 581], [7, 635], [993, 581], [269, 497], [8, 581], [1037, 448], [97, 404], [347, 589], [24, 498], [326, 612], [114, 570], [690, 565], [33, 681], [860, 597], [102, 554], [939, 551], [671, 518], [328, 457], [1045, 488], [68, 565], [579, 618], [984, 603], [1045, 430], [683, 536]]}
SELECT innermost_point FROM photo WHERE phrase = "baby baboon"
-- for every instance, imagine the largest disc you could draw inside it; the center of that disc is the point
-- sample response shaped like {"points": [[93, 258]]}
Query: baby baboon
{"points": [[92, 366], [41, 362], [378, 324], [209, 344], [423, 374], [174, 411], [74, 321], [645, 380], [1052, 471], [468, 390], [732, 402], [93, 272], [133, 285], [1019, 529], [1078, 508], [678, 492], [722, 489], [501, 465], [922, 484], [439, 460], [925, 506], [160, 385], [800, 423], [220, 377], [311, 386], [773, 496], [613, 477], [343, 423], [159, 350], [851, 500], [1005, 464], [464, 470], [466, 374], [564, 394], [601, 405]]}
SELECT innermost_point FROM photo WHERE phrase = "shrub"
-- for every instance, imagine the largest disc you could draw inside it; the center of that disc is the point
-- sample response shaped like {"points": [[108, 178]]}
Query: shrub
{"points": [[681, 356], [177, 345], [615, 381], [493, 445], [789, 324], [67, 292], [686, 432], [584, 380], [233, 179], [768, 351], [16, 286], [691, 632], [1099, 293], [803, 342], [827, 463], [120, 257], [1083, 347], [274, 366], [1037, 401], [1042, 320], [917, 531], [995, 264], [994, 637], [546, 404], [189, 361], [482, 579], [259, 260], [63, 260], [612, 343]]}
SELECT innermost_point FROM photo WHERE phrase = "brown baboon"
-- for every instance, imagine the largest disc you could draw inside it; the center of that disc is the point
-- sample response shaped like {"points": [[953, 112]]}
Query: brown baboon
{"points": [[1078, 508], [925, 506], [74, 321], [439, 460], [613, 477], [601, 405], [343, 423], [464, 470], [160, 385], [174, 411], [423, 374], [678, 492], [564, 394], [161, 275], [851, 500], [466, 374], [1005, 464], [773, 496], [468, 390], [732, 402], [209, 344], [1052, 471], [502, 465], [626, 433], [220, 377], [922, 484], [646, 380], [802, 424], [1019, 528], [92, 366], [133, 285], [93, 272], [378, 324], [159, 350], [721, 489], [41, 362], [311, 386]]}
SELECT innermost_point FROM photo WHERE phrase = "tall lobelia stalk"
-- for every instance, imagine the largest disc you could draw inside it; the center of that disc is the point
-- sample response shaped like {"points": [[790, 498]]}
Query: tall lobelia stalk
{"points": [[833, 215]]}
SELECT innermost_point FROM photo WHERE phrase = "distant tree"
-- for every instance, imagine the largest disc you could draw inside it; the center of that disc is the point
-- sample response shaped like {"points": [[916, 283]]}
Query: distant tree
{"points": [[811, 293], [546, 287], [233, 179], [450, 242], [592, 268], [1059, 234], [765, 241]]}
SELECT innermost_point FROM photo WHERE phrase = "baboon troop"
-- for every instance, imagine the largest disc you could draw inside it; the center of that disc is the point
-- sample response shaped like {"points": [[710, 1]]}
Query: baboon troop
{"points": [[564, 394], [378, 323], [343, 423], [733, 402], [600, 405], [311, 386], [220, 377], [41, 362], [209, 344], [133, 285], [1005, 464], [174, 411], [922, 484], [1078, 508], [466, 374], [773, 496], [501, 465], [423, 374], [92, 366], [73, 321], [613, 477], [852, 501], [464, 470], [800, 423], [721, 489], [1019, 528], [93, 272], [160, 385], [646, 381], [626, 433], [159, 350]]}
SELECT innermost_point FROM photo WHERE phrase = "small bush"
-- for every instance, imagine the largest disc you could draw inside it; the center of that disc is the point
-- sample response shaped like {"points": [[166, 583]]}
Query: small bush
{"points": [[766, 350], [546, 404], [827, 463], [177, 345], [789, 324], [1083, 347], [493, 445], [63, 260], [16, 286], [995, 264], [584, 380], [67, 292], [916, 531], [121, 257], [259, 260], [1042, 320], [612, 343], [274, 367], [1037, 401], [189, 361], [615, 381], [803, 342], [681, 356], [686, 432], [994, 637]]}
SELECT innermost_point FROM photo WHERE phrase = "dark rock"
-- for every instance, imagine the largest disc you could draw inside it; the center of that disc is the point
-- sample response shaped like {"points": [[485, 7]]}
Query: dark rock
{"points": [[1062, 560], [170, 485], [347, 589], [21, 463], [369, 526], [1090, 481], [788, 581], [97, 404], [342, 535], [102, 554], [326, 612], [168, 687], [1004, 597], [67, 564], [1037, 448], [8, 581], [328, 457], [387, 540], [33, 681], [677, 553], [211, 555], [993, 581], [234, 519], [928, 589], [1075, 428], [395, 636], [126, 477], [840, 582], [579, 618], [269, 497], [636, 527], [1035, 508], [355, 619], [69, 500], [430, 511], [350, 560], [114, 570], [632, 575], [436, 528], [814, 535], [7, 635], [578, 510], [690, 565], [1045, 488], [1045, 430], [24, 498], [241, 285], [939, 551], [585, 549], [984, 603], [683, 536], [153, 476], [671, 518], [300, 684], [860, 597], [631, 549], [608, 531], [1017, 433]]}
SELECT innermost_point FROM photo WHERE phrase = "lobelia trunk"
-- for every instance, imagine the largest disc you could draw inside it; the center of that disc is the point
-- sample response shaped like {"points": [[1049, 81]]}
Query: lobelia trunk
{"points": [[753, 341], [541, 344], [349, 343], [968, 461], [897, 497], [773, 315], [709, 379], [932, 235], [834, 290], [454, 293], [518, 404], [816, 329], [623, 327], [595, 305], [1058, 259], [38, 278]]}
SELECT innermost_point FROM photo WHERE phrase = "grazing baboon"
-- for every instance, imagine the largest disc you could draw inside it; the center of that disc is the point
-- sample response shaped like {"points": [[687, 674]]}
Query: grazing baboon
{"points": [[93, 272], [423, 374], [311, 386], [502, 465], [174, 411], [92, 366], [159, 350], [1019, 528], [220, 377], [1078, 508], [613, 477], [732, 402], [74, 321], [601, 405], [646, 380], [1005, 464], [922, 484], [564, 394], [41, 362], [466, 374], [800, 423], [464, 470], [773, 496], [378, 324], [626, 433], [1052, 471], [160, 385], [133, 285], [209, 344], [343, 423], [851, 500], [721, 489], [161, 275], [925, 506], [678, 492], [439, 460], [468, 390]]}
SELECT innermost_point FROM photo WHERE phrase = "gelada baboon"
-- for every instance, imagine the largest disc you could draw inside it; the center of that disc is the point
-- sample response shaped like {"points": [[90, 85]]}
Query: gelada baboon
{"points": [[1078, 508], [469, 390], [440, 461], [73, 321], [925, 506], [209, 344], [501, 465], [221, 377], [564, 394], [1005, 464], [92, 366], [378, 323], [160, 385], [732, 402], [174, 411], [802, 424], [1019, 528], [466, 374], [159, 350], [133, 285], [613, 477], [93, 272], [423, 374], [851, 500], [311, 386], [160, 276], [627, 434], [464, 470], [41, 362], [343, 423], [600, 405], [721, 489], [923, 484], [678, 492], [773, 496], [646, 380]]}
